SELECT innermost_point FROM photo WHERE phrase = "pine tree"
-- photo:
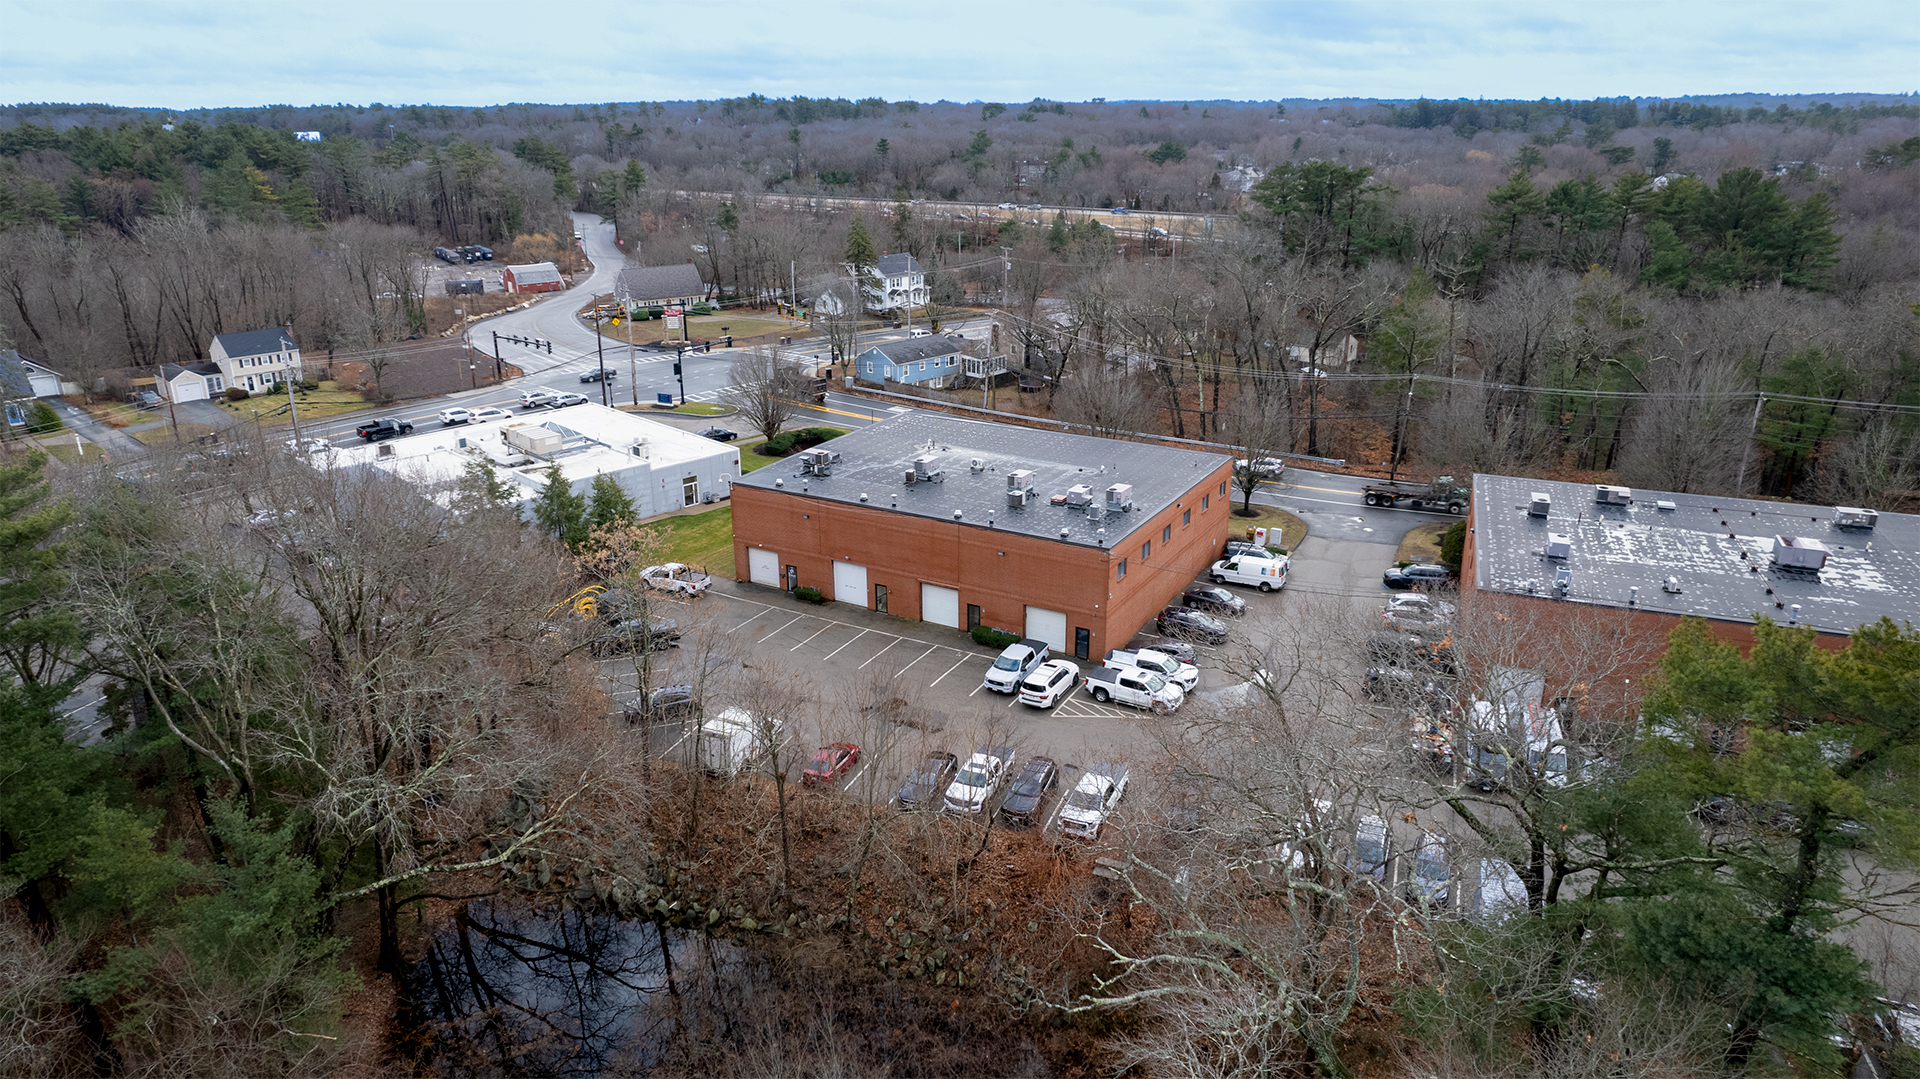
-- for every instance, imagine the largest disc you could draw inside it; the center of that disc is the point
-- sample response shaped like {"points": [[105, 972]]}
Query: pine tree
{"points": [[560, 511], [36, 630], [609, 503]]}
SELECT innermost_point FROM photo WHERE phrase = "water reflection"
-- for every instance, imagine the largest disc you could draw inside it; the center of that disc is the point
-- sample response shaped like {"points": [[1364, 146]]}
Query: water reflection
{"points": [[508, 989]]}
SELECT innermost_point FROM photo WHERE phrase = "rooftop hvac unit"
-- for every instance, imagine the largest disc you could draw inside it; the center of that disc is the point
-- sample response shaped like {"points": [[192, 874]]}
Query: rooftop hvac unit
{"points": [[1017, 499], [1672, 586], [1609, 495], [977, 465], [1120, 497], [910, 477], [1559, 546], [642, 448], [1096, 510], [816, 462], [1665, 506], [1020, 479], [1854, 517], [1562, 580], [1799, 552], [534, 440], [1539, 504], [1079, 494], [925, 471]]}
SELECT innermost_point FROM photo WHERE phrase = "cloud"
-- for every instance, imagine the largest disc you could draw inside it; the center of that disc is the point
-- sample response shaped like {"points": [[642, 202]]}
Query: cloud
{"points": [[191, 55]]}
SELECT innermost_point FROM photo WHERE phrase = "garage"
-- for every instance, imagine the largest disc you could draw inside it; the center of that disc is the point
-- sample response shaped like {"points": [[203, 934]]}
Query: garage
{"points": [[1048, 626], [763, 567], [850, 583], [940, 606]]}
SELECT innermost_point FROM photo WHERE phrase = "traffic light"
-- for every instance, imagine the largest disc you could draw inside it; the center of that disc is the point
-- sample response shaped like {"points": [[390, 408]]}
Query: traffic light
{"points": [[676, 367]]}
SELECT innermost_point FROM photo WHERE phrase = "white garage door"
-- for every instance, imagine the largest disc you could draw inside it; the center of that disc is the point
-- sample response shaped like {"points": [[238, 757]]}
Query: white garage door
{"points": [[850, 583], [1048, 626], [939, 605], [763, 567]]}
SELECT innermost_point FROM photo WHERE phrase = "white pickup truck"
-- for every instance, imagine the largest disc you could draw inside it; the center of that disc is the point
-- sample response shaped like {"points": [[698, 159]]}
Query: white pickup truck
{"points": [[1092, 800], [676, 577], [1131, 685], [978, 779], [1184, 675]]}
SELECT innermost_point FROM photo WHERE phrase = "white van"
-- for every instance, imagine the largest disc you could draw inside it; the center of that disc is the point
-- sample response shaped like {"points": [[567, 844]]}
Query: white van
{"points": [[731, 742], [920, 333], [1266, 574]]}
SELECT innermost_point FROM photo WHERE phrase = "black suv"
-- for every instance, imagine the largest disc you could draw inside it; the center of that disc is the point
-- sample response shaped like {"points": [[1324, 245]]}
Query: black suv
{"points": [[664, 705], [1038, 776], [1417, 575], [627, 634], [1213, 599], [599, 373]]}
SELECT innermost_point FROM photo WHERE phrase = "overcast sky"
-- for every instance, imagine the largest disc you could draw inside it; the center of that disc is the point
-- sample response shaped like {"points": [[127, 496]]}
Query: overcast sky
{"points": [[477, 52]]}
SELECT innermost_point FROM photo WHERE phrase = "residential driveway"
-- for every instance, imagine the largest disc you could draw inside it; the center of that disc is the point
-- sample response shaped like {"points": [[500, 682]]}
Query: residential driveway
{"points": [[117, 443], [206, 412]]}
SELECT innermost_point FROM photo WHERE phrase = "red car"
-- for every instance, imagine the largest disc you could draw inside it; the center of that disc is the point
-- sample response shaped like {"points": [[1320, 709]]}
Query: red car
{"points": [[830, 763]]}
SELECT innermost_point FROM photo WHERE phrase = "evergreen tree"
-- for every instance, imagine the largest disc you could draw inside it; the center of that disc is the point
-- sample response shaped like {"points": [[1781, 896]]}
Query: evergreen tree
{"points": [[37, 631], [609, 503], [863, 261], [559, 511]]}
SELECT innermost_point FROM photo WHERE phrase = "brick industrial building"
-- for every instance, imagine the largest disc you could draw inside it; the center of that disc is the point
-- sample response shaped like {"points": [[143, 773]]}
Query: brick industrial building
{"points": [[1074, 540], [1574, 569]]}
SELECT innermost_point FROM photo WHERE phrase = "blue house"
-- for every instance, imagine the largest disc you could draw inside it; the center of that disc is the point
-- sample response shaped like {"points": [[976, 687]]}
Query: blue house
{"points": [[935, 361]]}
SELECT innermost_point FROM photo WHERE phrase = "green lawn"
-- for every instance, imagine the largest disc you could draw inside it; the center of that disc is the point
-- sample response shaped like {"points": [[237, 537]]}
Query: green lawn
{"points": [[750, 460], [1293, 529], [700, 539], [691, 408], [163, 434]]}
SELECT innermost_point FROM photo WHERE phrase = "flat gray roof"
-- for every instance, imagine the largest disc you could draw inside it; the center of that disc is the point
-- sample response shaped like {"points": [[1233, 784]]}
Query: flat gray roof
{"points": [[874, 461], [1720, 549]]}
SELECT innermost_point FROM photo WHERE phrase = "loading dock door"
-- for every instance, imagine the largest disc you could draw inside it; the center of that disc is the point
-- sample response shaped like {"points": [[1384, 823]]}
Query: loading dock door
{"points": [[850, 583], [940, 606], [1048, 626], [763, 567]]}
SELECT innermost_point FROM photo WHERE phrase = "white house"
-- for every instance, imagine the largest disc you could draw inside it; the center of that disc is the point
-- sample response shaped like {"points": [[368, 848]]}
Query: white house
{"points": [[257, 360], [661, 467], [902, 284]]}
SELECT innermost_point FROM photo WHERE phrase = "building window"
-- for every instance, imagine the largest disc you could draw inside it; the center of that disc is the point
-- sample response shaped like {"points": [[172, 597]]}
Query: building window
{"points": [[1204, 499], [1123, 571], [1145, 550], [1186, 518], [1223, 488], [1166, 534]]}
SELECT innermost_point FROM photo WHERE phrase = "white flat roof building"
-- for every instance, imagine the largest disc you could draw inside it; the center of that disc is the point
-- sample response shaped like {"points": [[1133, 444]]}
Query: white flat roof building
{"points": [[661, 467]]}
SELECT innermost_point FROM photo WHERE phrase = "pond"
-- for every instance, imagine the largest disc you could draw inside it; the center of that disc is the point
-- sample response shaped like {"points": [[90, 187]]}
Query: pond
{"points": [[510, 989]]}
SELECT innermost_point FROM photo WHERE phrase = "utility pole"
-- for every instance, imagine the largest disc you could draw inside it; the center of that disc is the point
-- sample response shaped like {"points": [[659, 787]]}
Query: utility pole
{"points": [[499, 373], [600, 350], [1006, 274], [1753, 428], [293, 408]]}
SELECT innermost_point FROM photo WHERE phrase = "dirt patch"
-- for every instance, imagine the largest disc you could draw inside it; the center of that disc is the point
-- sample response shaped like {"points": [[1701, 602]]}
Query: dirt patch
{"points": [[1292, 529], [425, 369], [440, 309]]}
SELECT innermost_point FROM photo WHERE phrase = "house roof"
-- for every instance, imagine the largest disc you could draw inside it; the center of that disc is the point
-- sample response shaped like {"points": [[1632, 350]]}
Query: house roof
{"points": [[643, 283], [257, 342], [170, 371], [535, 273], [16, 376], [874, 460], [915, 349], [893, 265], [1720, 550]]}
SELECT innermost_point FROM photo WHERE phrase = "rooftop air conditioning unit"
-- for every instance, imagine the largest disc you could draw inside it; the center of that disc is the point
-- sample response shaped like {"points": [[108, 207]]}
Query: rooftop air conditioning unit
{"points": [[1559, 546], [1539, 504], [817, 463], [1609, 495], [1854, 517], [1020, 479], [910, 477], [1017, 499], [977, 465], [1562, 580], [641, 448], [925, 470], [1120, 497], [1079, 494], [1799, 552]]}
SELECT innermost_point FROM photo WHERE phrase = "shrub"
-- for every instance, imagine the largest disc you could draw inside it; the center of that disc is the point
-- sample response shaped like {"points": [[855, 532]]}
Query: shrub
{"points": [[787, 442], [308, 384], [1453, 545], [811, 595], [44, 418], [235, 393], [994, 638]]}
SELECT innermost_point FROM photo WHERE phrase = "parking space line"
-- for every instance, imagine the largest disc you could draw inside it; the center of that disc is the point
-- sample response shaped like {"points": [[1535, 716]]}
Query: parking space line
{"points": [[822, 629], [916, 659], [880, 653], [963, 658], [770, 636], [856, 637], [855, 776]]}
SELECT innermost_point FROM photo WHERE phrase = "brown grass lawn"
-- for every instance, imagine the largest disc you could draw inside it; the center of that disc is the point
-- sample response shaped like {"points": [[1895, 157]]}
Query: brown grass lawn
{"points": [[1422, 542], [1292, 529]]}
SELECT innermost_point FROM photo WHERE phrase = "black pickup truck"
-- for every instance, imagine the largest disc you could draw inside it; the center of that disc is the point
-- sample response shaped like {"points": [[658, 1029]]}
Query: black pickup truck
{"points": [[379, 430]]}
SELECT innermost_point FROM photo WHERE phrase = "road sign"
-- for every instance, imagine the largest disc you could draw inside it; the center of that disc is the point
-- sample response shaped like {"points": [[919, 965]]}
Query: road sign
{"points": [[663, 399]]}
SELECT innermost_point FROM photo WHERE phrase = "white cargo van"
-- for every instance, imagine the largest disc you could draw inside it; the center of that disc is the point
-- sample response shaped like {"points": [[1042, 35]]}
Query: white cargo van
{"points": [[735, 741], [1266, 574]]}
